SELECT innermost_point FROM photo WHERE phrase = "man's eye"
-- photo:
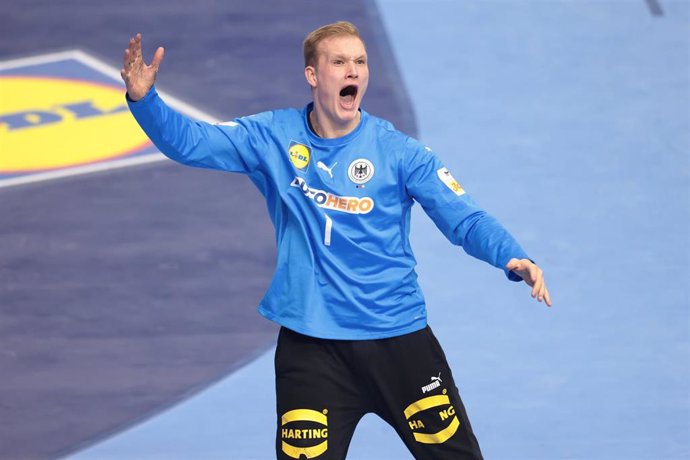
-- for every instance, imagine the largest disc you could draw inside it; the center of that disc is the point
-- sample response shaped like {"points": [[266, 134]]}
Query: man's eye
{"points": [[361, 61], [337, 62]]}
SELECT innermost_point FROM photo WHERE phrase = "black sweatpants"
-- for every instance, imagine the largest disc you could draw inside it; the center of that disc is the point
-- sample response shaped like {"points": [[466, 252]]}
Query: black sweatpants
{"points": [[324, 387]]}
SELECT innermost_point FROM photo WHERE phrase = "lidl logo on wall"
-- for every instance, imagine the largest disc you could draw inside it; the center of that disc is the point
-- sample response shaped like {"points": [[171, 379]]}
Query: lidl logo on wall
{"points": [[65, 114]]}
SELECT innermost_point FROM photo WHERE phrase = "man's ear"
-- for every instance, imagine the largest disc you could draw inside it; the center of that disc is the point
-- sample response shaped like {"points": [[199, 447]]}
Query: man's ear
{"points": [[310, 74]]}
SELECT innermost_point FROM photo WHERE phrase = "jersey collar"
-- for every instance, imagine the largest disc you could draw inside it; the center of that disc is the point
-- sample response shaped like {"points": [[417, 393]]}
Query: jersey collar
{"points": [[316, 140]]}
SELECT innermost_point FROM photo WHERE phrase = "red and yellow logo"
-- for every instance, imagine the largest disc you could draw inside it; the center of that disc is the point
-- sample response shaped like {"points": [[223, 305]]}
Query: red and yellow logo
{"points": [[49, 123]]}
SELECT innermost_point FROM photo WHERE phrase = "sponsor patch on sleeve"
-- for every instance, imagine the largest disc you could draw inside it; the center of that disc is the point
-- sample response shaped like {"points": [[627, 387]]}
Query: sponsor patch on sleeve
{"points": [[450, 182]]}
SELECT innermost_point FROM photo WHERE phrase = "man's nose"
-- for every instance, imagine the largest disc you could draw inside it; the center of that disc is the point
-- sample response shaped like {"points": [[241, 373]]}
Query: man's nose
{"points": [[352, 71]]}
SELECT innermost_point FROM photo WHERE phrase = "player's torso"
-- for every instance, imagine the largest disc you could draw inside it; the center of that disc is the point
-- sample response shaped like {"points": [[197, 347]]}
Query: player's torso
{"points": [[345, 268], [347, 192]]}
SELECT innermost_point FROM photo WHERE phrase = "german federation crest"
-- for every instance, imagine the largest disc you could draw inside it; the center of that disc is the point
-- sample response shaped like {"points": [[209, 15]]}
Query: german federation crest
{"points": [[360, 171]]}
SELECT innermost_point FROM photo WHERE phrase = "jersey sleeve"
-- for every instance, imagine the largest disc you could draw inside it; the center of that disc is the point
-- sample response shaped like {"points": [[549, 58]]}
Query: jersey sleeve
{"points": [[234, 146], [454, 212]]}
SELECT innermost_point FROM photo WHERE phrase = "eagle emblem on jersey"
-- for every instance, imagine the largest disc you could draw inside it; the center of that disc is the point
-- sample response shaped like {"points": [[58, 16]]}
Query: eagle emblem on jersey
{"points": [[360, 171]]}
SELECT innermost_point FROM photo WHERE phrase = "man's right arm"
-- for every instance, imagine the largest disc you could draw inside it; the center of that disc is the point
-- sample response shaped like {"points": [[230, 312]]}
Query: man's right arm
{"points": [[229, 147]]}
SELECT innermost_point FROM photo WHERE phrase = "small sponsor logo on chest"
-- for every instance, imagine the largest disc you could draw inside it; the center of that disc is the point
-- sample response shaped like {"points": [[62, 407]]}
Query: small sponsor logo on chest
{"points": [[322, 165]]}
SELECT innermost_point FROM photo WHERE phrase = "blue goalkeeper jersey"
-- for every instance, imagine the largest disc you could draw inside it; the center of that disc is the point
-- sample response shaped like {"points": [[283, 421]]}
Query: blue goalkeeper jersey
{"points": [[341, 211]]}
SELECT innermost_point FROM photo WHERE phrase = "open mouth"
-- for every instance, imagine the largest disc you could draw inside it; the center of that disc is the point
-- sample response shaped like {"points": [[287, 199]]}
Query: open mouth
{"points": [[348, 95]]}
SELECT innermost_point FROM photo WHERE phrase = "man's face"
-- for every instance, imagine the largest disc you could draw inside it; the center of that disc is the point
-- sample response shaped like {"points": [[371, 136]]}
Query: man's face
{"points": [[340, 78]]}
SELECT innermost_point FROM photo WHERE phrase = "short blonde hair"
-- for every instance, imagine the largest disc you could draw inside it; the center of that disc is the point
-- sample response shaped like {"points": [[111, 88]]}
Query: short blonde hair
{"points": [[311, 43]]}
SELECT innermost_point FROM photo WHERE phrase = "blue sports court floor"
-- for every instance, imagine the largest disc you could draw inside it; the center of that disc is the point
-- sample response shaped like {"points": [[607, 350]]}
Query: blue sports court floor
{"points": [[127, 296]]}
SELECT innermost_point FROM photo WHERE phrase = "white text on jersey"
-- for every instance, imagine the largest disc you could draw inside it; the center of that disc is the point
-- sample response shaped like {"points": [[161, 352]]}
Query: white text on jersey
{"points": [[348, 204]]}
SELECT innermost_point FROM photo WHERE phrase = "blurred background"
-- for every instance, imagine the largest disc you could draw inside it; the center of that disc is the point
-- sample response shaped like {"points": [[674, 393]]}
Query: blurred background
{"points": [[128, 327]]}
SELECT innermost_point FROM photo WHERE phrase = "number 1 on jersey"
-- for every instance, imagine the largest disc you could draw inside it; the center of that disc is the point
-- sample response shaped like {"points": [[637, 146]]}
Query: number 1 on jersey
{"points": [[327, 233]]}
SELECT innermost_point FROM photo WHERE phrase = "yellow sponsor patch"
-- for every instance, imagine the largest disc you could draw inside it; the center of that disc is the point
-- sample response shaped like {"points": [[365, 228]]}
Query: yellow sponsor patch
{"points": [[450, 182], [48, 123], [299, 155]]}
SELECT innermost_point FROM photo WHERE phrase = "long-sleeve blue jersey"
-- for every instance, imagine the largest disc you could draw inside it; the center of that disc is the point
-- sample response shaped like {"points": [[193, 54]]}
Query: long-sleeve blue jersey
{"points": [[341, 211]]}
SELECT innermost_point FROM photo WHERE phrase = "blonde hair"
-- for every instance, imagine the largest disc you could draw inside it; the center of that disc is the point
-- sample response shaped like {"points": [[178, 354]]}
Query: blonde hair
{"points": [[311, 43]]}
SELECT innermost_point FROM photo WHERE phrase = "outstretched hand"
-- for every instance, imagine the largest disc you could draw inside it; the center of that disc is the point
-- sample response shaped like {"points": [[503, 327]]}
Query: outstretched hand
{"points": [[138, 76], [533, 276]]}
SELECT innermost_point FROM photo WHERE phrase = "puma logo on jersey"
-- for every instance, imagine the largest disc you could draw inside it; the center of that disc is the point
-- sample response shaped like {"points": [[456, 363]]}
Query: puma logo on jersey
{"points": [[322, 165], [435, 383]]}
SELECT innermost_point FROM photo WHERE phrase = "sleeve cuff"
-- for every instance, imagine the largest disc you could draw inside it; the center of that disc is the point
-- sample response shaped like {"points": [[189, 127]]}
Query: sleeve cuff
{"points": [[148, 95], [514, 276]]}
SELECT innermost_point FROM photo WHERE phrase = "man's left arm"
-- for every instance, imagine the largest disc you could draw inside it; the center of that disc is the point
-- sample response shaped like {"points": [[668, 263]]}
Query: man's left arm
{"points": [[464, 223]]}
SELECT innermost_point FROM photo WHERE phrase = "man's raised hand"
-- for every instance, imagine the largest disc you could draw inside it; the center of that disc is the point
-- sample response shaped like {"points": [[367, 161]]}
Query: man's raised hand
{"points": [[138, 76]]}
